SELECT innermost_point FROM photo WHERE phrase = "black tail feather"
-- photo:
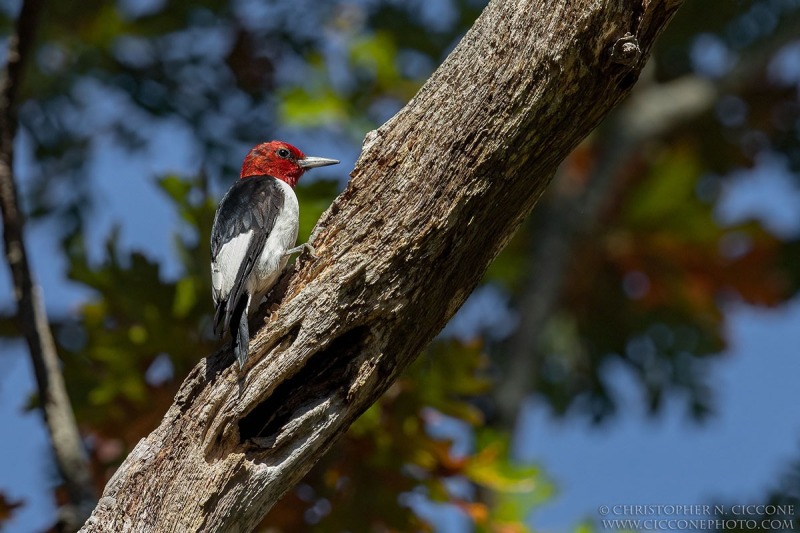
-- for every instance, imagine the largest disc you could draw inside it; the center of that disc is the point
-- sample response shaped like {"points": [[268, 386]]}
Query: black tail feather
{"points": [[219, 315], [240, 329]]}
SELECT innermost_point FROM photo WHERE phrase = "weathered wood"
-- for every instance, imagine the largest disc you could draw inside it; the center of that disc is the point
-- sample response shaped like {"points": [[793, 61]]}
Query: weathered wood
{"points": [[438, 191]]}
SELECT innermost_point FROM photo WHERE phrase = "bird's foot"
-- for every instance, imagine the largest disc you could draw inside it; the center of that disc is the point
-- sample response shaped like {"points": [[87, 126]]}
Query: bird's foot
{"points": [[303, 248]]}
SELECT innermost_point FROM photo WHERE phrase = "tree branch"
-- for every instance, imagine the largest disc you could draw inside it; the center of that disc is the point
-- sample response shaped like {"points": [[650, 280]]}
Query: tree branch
{"points": [[437, 192], [70, 454]]}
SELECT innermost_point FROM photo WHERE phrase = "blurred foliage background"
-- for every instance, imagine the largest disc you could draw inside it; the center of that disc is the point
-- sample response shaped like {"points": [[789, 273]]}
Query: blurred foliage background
{"points": [[627, 260]]}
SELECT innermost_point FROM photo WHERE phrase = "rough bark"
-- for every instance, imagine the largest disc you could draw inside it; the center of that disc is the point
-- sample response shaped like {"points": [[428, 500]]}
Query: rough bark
{"points": [[70, 455], [438, 191]]}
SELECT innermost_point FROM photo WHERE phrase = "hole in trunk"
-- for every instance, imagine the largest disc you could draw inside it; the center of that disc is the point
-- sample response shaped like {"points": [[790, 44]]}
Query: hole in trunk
{"points": [[330, 369]]}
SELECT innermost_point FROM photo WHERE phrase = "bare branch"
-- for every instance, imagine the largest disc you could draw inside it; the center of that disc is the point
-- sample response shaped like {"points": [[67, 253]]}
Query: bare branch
{"points": [[69, 451]]}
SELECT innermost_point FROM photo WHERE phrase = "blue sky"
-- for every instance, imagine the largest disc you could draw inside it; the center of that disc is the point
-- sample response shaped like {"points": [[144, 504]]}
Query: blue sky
{"points": [[736, 457]]}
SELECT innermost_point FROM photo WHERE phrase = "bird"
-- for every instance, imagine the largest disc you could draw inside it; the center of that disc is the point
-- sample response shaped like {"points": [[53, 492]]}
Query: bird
{"points": [[253, 235]]}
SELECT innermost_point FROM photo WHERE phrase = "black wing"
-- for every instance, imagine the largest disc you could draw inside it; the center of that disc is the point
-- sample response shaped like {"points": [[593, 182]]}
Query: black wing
{"points": [[251, 204]]}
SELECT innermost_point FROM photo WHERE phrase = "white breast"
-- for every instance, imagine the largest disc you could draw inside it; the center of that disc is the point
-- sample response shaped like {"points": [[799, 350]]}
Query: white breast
{"points": [[282, 237]]}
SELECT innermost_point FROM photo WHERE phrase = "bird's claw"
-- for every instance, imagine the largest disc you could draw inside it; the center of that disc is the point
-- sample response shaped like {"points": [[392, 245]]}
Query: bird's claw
{"points": [[310, 250], [304, 248]]}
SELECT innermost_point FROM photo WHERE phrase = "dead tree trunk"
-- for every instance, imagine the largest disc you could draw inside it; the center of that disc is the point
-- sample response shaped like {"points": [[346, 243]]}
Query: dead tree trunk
{"points": [[438, 191]]}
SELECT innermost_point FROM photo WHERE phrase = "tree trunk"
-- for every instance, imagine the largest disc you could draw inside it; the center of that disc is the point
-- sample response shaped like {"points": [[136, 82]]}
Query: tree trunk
{"points": [[438, 191]]}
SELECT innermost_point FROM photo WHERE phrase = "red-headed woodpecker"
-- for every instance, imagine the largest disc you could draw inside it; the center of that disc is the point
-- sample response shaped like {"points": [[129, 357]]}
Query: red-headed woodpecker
{"points": [[255, 229]]}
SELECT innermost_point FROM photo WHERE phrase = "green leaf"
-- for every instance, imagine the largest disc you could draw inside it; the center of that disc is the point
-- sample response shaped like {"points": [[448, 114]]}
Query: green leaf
{"points": [[177, 188], [302, 107], [185, 296], [314, 197], [377, 53]]}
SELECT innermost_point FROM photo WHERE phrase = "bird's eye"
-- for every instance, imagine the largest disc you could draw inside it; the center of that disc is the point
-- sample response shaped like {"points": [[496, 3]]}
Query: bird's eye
{"points": [[283, 152]]}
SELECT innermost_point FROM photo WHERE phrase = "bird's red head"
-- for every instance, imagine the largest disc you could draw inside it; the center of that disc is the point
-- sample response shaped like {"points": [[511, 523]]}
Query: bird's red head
{"points": [[280, 160]]}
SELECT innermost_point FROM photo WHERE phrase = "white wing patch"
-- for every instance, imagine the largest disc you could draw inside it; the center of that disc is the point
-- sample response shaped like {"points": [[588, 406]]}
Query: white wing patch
{"points": [[226, 265]]}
